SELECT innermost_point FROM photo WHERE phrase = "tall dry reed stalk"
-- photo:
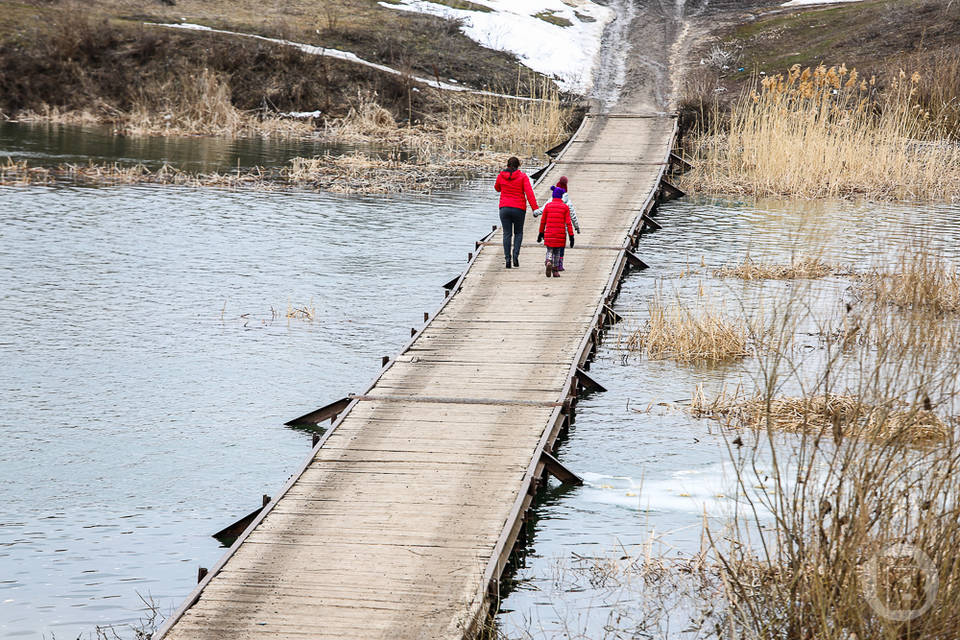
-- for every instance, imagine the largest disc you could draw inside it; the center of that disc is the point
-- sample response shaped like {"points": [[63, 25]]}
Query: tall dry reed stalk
{"points": [[919, 280], [691, 333], [819, 133], [525, 126], [836, 536]]}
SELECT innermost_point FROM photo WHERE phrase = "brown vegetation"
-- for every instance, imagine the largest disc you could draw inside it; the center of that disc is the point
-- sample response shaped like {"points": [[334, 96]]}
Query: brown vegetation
{"points": [[804, 267], [355, 173], [825, 132], [920, 281], [841, 415], [688, 333]]}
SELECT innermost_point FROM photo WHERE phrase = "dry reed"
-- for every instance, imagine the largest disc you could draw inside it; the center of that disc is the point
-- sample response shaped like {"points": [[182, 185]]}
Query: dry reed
{"points": [[826, 132], [920, 280], [805, 267], [688, 333], [842, 415], [357, 173]]}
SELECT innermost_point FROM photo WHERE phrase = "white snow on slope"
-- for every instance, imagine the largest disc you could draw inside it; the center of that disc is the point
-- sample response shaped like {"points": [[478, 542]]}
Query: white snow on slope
{"points": [[803, 3], [339, 55], [568, 54]]}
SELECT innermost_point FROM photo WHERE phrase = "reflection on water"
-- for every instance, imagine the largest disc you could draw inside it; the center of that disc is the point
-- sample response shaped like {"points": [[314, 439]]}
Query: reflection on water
{"points": [[145, 379], [652, 472], [53, 144]]}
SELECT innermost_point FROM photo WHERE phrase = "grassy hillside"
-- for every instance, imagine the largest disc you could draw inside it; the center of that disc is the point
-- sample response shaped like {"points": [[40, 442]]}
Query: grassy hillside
{"points": [[103, 59]]}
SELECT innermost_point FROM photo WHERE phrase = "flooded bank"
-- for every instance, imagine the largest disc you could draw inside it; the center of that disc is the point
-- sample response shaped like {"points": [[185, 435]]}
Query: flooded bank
{"points": [[149, 365], [652, 472]]}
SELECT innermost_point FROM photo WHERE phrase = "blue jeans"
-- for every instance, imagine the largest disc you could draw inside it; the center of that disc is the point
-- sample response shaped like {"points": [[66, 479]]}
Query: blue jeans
{"points": [[511, 219]]}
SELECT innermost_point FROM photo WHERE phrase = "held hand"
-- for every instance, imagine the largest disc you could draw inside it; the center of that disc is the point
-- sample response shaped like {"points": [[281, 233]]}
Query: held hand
{"points": [[571, 240], [540, 238]]}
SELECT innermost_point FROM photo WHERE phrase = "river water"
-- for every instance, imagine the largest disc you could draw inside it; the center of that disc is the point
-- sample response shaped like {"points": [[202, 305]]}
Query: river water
{"points": [[148, 367]]}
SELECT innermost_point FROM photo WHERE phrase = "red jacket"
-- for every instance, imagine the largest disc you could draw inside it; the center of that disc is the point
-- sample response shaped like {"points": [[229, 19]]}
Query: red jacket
{"points": [[514, 186], [555, 224]]}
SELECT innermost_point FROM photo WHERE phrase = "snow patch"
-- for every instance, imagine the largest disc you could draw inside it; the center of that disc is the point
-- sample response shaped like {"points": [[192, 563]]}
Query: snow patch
{"points": [[339, 55], [569, 54]]}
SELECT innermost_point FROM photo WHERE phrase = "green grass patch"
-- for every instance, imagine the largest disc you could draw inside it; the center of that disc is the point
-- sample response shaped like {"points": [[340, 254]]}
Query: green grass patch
{"points": [[552, 18]]}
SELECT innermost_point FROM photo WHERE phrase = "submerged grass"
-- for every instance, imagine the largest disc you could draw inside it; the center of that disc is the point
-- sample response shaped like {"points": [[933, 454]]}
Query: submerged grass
{"points": [[695, 333], [920, 280], [804, 267], [357, 173], [840, 415], [826, 133]]}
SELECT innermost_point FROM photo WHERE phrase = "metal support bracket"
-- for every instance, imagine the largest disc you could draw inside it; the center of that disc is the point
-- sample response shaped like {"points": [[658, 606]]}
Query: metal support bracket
{"points": [[613, 316], [635, 261], [589, 383], [329, 412], [677, 161], [228, 534], [450, 285], [650, 223], [669, 192], [555, 468]]}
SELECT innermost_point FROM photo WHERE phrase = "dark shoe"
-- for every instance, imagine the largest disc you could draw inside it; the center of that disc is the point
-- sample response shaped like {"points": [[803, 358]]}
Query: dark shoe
{"points": [[549, 268], [516, 262], [508, 263], [556, 274]]}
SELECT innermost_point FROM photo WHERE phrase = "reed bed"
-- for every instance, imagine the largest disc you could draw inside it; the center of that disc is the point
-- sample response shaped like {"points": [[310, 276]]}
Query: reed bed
{"points": [[849, 528], [357, 173], [920, 280], [827, 133], [804, 267], [688, 333], [842, 415], [526, 125]]}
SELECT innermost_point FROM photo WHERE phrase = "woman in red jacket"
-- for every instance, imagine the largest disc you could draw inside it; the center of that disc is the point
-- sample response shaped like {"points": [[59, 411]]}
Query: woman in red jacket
{"points": [[555, 226], [515, 193]]}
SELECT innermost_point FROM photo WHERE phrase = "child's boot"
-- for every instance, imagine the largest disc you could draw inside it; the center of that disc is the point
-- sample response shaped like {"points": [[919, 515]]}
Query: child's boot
{"points": [[556, 272], [549, 268], [560, 263]]}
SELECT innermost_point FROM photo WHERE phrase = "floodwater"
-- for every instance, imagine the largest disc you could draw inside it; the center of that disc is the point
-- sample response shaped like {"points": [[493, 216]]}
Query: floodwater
{"points": [[148, 367], [652, 472], [53, 144]]}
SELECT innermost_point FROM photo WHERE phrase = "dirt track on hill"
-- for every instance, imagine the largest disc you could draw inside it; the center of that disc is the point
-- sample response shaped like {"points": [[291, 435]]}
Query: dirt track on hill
{"points": [[644, 54]]}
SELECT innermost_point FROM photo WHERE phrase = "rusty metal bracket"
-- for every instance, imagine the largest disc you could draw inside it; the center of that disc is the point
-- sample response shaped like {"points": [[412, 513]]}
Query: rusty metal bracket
{"points": [[612, 315], [650, 223], [329, 412], [635, 261], [677, 161], [669, 192], [228, 534], [589, 383], [555, 468]]}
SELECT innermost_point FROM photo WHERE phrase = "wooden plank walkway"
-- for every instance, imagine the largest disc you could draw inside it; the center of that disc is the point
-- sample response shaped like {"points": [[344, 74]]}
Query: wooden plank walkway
{"points": [[401, 521]]}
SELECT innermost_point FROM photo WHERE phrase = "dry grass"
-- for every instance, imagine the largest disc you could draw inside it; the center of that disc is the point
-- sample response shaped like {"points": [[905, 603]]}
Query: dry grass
{"points": [[825, 132], [521, 127], [804, 267], [842, 415], [689, 333], [356, 173], [301, 312], [921, 280]]}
